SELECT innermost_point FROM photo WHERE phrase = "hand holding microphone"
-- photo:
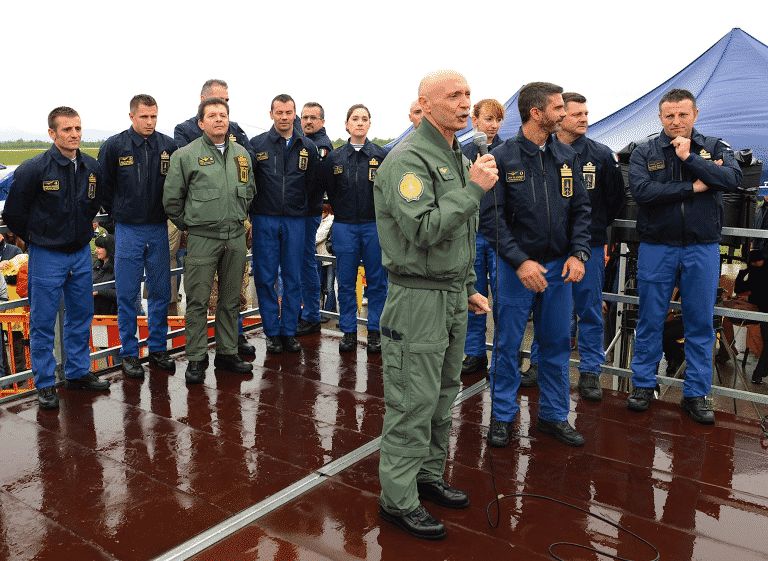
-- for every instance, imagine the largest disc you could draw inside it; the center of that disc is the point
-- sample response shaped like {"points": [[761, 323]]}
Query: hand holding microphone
{"points": [[483, 171]]}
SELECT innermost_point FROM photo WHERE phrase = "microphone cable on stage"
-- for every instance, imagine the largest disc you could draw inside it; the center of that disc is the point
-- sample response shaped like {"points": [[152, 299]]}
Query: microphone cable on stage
{"points": [[481, 141]]}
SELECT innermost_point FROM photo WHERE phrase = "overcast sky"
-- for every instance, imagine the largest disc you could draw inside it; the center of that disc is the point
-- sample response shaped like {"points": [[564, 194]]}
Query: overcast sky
{"points": [[94, 56]]}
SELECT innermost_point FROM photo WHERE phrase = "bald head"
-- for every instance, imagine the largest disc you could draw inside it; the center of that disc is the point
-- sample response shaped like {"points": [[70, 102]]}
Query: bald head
{"points": [[444, 100], [436, 79], [415, 114]]}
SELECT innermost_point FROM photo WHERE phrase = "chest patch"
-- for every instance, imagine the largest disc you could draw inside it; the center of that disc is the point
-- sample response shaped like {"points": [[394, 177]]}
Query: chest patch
{"points": [[588, 171], [91, 186], [705, 155], [515, 176], [338, 170], [165, 163], [566, 181], [303, 159], [410, 187], [51, 185], [205, 161], [125, 161], [656, 165], [261, 156]]}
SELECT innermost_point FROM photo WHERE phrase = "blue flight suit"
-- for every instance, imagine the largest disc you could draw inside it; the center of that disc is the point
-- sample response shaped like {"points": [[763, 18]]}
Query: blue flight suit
{"points": [[349, 179], [485, 266], [134, 171], [605, 187], [51, 205], [310, 270], [540, 212], [679, 229], [285, 175]]}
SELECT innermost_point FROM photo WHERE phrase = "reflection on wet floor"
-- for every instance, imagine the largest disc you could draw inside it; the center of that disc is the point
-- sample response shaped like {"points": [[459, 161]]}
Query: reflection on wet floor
{"points": [[133, 473]]}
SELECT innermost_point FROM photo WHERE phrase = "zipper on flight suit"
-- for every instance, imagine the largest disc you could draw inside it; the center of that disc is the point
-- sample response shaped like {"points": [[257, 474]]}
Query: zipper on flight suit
{"points": [[682, 203], [549, 213]]}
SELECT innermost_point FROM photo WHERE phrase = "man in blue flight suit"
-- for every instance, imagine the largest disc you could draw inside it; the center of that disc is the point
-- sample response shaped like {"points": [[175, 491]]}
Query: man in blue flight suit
{"points": [[286, 166], [190, 130], [605, 187], [51, 204], [539, 221], [677, 180], [135, 163], [487, 116], [313, 124]]}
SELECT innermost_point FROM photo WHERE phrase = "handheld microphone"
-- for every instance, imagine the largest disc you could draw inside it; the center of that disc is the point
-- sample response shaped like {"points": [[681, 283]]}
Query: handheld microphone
{"points": [[481, 141]]}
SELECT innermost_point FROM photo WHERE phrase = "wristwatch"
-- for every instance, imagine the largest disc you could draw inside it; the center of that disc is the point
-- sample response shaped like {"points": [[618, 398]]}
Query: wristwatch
{"points": [[582, 256]]}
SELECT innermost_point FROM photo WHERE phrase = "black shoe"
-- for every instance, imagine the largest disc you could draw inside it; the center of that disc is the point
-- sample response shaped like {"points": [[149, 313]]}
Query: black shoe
{"points": [[442, 494], [640, 400], [530, 378], [756, 378], [195, 372], [374, 343], [244, 347], [348, 343], [163, 360], [698, 409], [47, 398], [307, 327], [473, 364], [274, 345], [418, 523], [290, 344], [498, 434], [89, 382], [589, 386], [232, 363], [132, 367], [561, 431]]}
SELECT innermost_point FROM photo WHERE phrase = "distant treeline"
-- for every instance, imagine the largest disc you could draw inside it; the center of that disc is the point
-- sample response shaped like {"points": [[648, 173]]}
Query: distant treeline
{"points": [[38, 144], [380, 141]]}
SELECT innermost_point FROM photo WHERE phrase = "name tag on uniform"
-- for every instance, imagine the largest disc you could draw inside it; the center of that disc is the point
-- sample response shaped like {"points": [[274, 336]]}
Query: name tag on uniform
{"points": [[656, 165], [205, 161], [51, 185], [125, 161], [261, 156], [446, 173], [515, 176]]}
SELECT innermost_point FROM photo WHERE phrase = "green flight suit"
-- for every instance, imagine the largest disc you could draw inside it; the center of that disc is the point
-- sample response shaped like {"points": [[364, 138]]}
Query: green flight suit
{"points": [[207, 193], [427, 218]]}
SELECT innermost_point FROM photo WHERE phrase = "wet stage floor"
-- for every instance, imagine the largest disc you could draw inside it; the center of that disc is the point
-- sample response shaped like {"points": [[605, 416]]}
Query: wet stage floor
{"points": [[135, 473]]}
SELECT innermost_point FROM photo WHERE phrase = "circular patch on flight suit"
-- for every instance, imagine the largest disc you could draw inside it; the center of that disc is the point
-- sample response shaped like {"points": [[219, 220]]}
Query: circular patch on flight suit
{"points": [[410, 187]]}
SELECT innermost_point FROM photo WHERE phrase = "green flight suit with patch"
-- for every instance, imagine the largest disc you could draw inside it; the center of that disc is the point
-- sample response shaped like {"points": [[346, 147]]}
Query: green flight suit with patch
{"points": [[427, 218], [207, 193]]}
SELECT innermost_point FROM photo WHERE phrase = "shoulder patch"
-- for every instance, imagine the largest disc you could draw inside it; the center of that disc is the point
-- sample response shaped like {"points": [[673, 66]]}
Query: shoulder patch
{"points": [[410, 187], [205, 161], [125, 161], [445, 173]]}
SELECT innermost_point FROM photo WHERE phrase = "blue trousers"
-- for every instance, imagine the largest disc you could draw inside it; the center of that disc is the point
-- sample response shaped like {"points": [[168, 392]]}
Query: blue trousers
{"points": [[552, 317], [657, 266], [139, 247], [278, 241], [353, 242], [485, 266], [310, 272], [50, 274]]}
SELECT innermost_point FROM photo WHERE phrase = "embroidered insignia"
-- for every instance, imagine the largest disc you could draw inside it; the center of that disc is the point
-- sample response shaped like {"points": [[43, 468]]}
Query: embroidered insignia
{"points": [[242, 168], [91, 186], [303, 159], [705, 155], [445, 173], [515, 176], [566, 181], [232, 137], [165, 163], [51, 185], [205, 161], [588, 171], [410, 187], [322, 153], [261, 156], [125, 161], [656, 165], [338, 169]]}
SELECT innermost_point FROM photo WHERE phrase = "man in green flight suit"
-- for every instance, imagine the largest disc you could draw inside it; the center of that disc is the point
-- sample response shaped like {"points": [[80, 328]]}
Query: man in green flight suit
{"points": [[207, 192], [426, 197]]}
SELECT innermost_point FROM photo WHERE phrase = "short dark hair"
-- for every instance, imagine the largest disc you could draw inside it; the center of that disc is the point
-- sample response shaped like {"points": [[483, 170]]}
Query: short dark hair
{"points": [[535, 94], [210, 101], [574, 97], [282, 98], [492, 106], [677, 95], [311, 104], [358, 106], [208, 86], [60, 112], [142, 99]]}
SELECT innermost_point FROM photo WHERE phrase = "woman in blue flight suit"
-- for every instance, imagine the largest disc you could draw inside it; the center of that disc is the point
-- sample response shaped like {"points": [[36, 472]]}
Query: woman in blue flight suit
{"points": [[349, 177]]}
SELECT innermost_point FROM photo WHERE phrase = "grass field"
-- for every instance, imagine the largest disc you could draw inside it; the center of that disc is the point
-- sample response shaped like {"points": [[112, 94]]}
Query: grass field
{"points": [[15, 157]]}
